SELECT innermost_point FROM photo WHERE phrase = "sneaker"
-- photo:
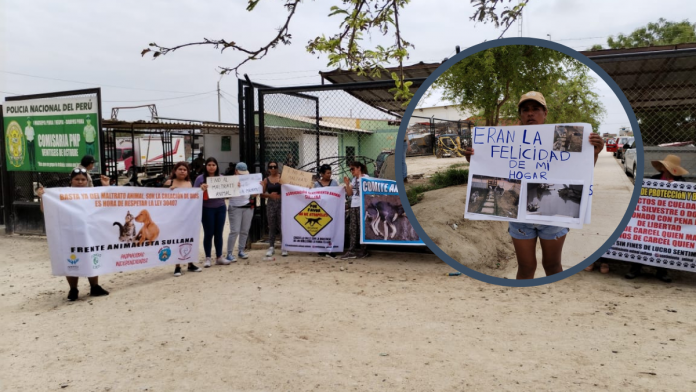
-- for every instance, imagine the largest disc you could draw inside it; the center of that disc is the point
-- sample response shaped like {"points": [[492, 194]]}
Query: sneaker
{"points": [[177, 271], [97, 291], [72, 294], [225, 260], [348, 255], [193, 268], [243, 255], [363, 254], [284, 253], [330, 255], [207, 263], [270, 252]]}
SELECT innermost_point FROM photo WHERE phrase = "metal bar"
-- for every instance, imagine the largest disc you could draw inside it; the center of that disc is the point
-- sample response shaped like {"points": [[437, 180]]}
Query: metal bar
{"points": [[643, 55], [318, 135], [259, 86], [345, 86], [55, 94], [102, 149], [240, 119], [5, 184]]}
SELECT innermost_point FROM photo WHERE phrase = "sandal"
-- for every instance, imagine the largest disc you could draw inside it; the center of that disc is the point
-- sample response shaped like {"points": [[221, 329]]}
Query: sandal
{"points": [[604, 268]]}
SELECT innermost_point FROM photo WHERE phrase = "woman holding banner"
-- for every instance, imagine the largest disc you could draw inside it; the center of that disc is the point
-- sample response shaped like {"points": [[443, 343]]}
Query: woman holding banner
{"points": [[358, 170], [325, 180], [181, 178], [240, 212], [271, 192], [669, 169], [532, 110], [79, 178], [213, 218]]}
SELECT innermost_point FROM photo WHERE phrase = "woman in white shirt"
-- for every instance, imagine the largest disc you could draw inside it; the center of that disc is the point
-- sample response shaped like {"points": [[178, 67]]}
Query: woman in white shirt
{"points": [[358, 170]]}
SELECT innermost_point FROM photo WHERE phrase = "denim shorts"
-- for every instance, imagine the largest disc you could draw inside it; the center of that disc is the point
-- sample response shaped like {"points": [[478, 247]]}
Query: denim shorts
{"points": [[528, 231]]}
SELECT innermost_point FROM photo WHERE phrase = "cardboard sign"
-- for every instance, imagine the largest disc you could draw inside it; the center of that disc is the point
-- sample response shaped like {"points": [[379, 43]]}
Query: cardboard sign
{"points": [[94, 231], [662, 230], [538, 174], [292, 176]]}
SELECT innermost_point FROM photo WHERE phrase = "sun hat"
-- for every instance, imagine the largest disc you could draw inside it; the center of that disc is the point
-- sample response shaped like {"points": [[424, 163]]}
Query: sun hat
{"points": [[533, 96], [242, 168], [673, 164]]}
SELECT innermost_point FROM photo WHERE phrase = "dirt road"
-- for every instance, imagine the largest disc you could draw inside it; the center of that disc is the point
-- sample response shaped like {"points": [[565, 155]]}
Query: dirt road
{"points": [[390, 322]]}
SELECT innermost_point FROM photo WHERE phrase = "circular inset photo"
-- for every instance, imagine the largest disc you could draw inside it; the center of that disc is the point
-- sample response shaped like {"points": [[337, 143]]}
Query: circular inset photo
{"points": [[510, 169]]}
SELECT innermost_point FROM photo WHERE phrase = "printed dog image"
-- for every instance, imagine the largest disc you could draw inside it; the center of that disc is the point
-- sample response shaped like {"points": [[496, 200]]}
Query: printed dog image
{"points": [[127, 230], [149, 232], [312, 221], [385, 220]]}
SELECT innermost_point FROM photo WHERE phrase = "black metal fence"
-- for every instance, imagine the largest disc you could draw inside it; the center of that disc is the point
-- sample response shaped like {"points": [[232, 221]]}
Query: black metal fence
{"points": [[304, 127]]}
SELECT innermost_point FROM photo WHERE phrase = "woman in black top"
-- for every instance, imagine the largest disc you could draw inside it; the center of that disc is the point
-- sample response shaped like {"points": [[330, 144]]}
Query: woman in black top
{"points": [[271, 192]]}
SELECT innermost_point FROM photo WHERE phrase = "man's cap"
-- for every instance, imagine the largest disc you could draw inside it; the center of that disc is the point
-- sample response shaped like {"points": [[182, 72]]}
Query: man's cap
{"points": [[533, 96], [242, 168]]}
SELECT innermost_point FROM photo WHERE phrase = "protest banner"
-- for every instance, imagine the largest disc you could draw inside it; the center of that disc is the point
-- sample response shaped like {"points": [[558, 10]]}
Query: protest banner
{"points": [[383, 219], [296, 177], [232, 186], [662, 229], [538, 174], [313, 220], [95, 231], [50, 135]]}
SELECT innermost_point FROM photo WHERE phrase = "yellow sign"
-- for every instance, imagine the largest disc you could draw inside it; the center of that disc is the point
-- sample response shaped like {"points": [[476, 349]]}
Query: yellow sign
{"points": [[313, 218]]}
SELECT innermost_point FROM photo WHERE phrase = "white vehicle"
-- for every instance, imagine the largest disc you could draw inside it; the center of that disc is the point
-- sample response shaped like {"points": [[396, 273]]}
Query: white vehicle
{"points": [[630, 160], [148, 154]]}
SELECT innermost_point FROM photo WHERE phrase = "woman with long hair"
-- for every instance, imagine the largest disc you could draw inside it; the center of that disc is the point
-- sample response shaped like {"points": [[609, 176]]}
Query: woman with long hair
{"points": [[214, 215], [181, 178], [271, 192], [357, 170], [79, 178]]}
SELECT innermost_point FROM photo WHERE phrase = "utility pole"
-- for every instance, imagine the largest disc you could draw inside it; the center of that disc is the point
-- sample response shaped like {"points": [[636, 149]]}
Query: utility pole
{"points": [[218, 91], [519, 21]]}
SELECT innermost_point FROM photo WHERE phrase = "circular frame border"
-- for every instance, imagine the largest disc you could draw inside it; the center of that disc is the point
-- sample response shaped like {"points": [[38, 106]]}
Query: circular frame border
{"points": [[399, 150]]}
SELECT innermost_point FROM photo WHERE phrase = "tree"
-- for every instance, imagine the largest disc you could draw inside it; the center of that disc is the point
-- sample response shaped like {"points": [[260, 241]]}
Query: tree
{"points": [[491, 81], [654, 34], [360, 18]]}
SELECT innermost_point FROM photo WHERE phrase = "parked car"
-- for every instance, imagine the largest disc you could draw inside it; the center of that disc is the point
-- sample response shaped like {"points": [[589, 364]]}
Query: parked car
{"points": [[620, 152], [611, 145], [620, 141], [630, 160]]}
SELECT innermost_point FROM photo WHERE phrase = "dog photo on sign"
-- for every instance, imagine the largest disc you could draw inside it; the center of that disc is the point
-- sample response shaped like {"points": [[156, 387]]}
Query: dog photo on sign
{"points": [[386, 220], [568, 138]]}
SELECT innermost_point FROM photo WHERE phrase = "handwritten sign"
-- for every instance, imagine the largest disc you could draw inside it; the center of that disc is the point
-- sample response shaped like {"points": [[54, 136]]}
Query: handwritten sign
{"points": [[533, 174], [223, 187], [250, 184], [296, 177]]}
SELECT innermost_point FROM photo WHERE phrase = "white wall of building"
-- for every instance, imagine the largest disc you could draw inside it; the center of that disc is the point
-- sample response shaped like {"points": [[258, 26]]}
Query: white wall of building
{"points": [[211, 147], [446, 112], [328, 147]]}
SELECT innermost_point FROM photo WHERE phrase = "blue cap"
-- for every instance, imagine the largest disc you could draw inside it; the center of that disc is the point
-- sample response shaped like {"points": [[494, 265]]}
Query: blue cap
{"points": [[241, 167]]}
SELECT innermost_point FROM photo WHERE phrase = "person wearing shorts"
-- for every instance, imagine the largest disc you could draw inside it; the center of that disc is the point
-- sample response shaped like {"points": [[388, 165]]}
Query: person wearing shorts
{"points": [[532, 110]]}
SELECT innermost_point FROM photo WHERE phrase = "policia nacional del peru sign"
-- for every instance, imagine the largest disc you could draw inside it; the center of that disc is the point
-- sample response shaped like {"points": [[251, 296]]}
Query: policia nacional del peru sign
{"points": [[50, 135]]}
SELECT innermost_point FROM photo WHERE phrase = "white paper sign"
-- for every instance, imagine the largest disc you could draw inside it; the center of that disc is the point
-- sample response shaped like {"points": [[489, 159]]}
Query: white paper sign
{"points": [[94, 231], [313, 219], [250, 184], [533, 174], [223, 186]]}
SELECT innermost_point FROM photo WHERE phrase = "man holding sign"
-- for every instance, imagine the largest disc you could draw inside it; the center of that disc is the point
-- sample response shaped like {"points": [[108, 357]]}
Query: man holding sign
{"points": [[532, 110]]}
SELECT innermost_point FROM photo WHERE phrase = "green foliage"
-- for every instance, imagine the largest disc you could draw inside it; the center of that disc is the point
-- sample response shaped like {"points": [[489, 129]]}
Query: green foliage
{"points": [[450, 177], [491, 82], [657, 33]]}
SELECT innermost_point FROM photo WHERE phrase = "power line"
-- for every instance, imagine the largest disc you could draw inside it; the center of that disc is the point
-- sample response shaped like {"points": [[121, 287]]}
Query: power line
{"points": [[183, 103], [165, 99], [95, 84]]}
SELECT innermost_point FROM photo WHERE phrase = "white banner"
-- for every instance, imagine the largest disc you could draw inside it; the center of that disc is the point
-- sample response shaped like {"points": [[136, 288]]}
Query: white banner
{"points": [[232, 186], [538, 174], [94, 231], [662, 229], [313, 220]]}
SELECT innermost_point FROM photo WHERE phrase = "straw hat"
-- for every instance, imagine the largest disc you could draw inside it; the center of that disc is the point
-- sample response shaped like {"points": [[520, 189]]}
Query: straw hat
{"points": [[673, 164]]}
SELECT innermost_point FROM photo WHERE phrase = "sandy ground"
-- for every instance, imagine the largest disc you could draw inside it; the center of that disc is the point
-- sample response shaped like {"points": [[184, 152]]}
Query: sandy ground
{"points": [[429, 164], [487, 247], [390, 322]]}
